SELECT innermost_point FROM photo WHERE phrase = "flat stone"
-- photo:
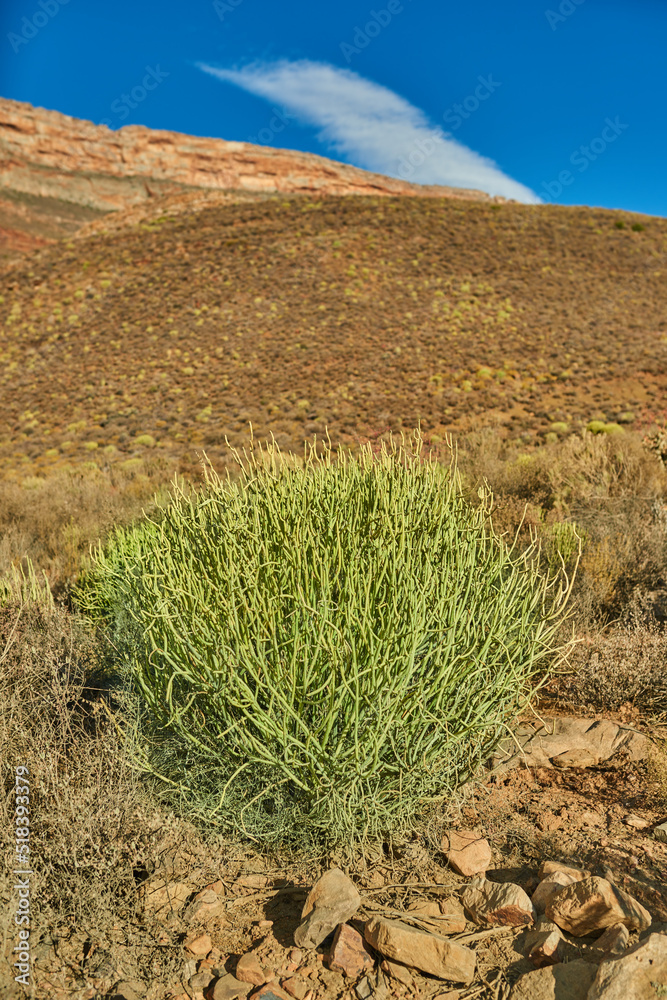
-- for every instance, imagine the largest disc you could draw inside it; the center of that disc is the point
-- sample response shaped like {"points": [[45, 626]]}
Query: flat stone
{"points": [[332, 900], [660, 832], [425, 908], [399, 972], [349, 952], [271, 991], [548, 888], [567, 742], [567, 981], [226, 988], [467, 852], [198, 944], [614, 941], [592, 905], [636, 822], [456, 919], [201, 981], [418, 949], [639, 974], [492, 904], [548, 868], [295, 987], [248, 970], [363, 989], [164, 898]]}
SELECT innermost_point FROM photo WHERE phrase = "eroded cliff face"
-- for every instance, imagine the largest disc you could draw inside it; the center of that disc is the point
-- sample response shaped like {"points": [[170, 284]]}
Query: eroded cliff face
{"points": [[48, 154]]}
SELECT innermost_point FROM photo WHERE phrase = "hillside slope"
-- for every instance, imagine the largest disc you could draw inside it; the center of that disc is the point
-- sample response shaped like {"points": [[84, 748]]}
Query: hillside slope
{"points": [[352, 314]]}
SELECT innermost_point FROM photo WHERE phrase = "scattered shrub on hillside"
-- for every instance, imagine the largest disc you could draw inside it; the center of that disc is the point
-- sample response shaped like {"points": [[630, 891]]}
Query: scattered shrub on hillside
{"points": [[322, 651]]}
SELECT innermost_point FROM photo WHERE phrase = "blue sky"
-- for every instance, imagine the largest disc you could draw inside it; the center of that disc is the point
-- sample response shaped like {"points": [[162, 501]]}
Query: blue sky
{"points": [[558, 100]]}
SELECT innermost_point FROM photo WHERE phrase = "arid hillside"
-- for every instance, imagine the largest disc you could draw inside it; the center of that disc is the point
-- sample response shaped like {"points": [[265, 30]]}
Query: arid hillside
{"points": [[58, 172], [352, 314]]}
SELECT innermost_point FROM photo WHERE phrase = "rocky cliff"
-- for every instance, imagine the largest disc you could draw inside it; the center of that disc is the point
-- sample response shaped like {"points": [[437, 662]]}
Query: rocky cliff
{"points": [[70, 162]]}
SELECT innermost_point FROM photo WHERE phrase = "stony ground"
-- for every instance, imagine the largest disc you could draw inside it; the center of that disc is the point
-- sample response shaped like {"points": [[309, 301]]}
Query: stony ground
{"points": [[195, 915]]}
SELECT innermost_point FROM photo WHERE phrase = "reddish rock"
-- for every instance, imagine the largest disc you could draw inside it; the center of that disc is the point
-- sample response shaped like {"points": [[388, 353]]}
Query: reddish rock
{"points": [[226, 988], [467, 852], [54, 155], [248, 970], [614, 941], [420, 950], [199, 944], [544, 945], [332, 900], [349, 952], [295, 987], [594, 904], [493, 903], [639, 974], [548, 888], [548, 868]]}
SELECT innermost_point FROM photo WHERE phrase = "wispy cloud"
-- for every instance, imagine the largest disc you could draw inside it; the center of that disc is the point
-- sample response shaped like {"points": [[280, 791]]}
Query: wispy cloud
{"points": [[370, 125]]}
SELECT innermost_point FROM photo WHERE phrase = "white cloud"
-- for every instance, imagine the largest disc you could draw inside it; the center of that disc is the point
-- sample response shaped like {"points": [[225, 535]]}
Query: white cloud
{"points": [[371, 126]]}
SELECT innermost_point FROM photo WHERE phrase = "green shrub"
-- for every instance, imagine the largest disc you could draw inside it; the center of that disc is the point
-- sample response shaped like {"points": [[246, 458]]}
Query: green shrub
{"points": [[321, 651]]}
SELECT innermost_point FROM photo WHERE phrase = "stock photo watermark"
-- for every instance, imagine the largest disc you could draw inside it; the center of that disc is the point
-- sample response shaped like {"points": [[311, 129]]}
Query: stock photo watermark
{"points": [[224, 7], [454, 116], [364, 34], [129, 100], [31, 26], [279, 122], [583, 156], [22, 871], [565, 9]]}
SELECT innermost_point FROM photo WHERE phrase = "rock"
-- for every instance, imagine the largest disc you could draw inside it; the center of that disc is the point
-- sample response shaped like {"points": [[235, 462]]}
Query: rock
{"points": [[248, 970], [295, 987], [164, 898], [420, 950], [567, 981], [544, 945], [199, 944], [296, 956], [566, 742], [363, 989], [467, 852], [636, 822], [639, 974], [49, 154], [398, 972], [226, 988], [332, 900], [425, 908], [548, 868], [349, 952], [455, 914], [548, 888], [594, 904], [614, 941], [271, 991], [660, 832], [493, 903], [201, 981]]}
